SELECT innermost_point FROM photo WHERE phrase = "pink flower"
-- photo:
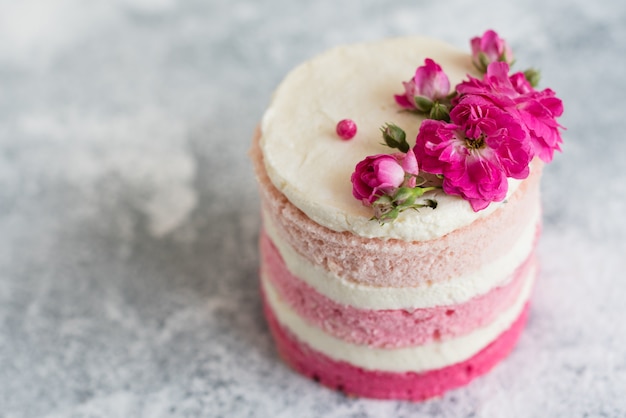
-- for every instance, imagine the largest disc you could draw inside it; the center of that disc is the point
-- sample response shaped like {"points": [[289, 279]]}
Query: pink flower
{"points": [[476, 152], [490, 48], [382, 174], [500, 131], [520, 83], [407, 161], [428, 85], [496, 85], [536, 110], [409, 164]]}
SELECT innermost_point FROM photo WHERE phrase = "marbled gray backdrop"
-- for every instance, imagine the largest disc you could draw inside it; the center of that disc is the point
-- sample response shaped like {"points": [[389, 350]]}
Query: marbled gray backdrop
{"points": [[129, 214]]}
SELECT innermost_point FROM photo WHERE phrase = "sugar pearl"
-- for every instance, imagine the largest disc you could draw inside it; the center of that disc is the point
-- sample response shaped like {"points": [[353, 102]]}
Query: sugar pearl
{"points": [[346, 129]]}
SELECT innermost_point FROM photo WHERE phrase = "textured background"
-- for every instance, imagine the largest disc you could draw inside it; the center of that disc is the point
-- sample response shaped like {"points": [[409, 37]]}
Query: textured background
{"points": [[129, 214]]}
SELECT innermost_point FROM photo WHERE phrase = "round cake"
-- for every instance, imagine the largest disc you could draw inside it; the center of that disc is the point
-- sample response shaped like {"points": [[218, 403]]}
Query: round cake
{"points": [[393, 307]]}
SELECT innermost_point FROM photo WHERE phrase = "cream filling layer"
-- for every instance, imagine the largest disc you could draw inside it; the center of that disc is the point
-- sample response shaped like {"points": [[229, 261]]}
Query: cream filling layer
{"points": [[408, 359], [308, 163], [453, 291]]}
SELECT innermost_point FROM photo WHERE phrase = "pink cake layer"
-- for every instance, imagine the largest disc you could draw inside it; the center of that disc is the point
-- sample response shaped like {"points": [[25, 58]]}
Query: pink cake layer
{"points": [[405, 264], [356, 381], [388, 328]]}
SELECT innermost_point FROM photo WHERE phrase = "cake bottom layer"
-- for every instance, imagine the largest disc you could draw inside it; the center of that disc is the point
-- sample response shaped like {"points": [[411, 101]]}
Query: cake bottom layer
{"points": [[356, 381]]}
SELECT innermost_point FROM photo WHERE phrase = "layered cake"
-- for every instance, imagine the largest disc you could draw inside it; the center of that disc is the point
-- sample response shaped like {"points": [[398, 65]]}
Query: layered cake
{"points": [[402, 272]]}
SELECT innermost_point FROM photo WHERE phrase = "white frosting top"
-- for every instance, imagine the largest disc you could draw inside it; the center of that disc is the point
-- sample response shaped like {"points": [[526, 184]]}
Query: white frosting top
{"points": [[311, 165]]}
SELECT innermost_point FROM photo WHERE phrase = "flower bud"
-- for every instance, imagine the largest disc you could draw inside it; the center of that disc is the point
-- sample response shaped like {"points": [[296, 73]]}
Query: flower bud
{"points": [[431, 82], [428, 85], [395, 137], [440, 112], [533, 76], [376, 176], [490, 48]]}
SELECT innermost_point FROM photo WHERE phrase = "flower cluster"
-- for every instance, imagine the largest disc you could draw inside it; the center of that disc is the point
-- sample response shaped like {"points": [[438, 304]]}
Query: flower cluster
{"points": [[487, 130]]}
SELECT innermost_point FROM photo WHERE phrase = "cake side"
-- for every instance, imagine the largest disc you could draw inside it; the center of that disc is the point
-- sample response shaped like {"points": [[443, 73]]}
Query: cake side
{"points": [[391, 327], [459, 324], [414, 358], [381, 384], [405, 274]]}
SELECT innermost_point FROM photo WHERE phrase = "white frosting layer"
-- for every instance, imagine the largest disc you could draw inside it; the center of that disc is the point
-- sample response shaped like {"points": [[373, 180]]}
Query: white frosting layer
{"points": [[456, 290], [311, 165], [430, 356]]}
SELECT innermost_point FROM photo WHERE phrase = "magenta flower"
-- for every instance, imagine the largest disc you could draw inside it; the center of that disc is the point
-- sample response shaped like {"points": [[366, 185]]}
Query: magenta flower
{"points": [[429, 84], [520, 83], [497, 85], [382, 174], [476, 152], [490, 48], [407, 161], [539, 113], [536, 110]]}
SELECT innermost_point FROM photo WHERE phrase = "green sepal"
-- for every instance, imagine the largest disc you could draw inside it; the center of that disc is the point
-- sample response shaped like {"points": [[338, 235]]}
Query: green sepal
{"points": [[423, 104], [533, 76], [405, 196], [440, 112]]}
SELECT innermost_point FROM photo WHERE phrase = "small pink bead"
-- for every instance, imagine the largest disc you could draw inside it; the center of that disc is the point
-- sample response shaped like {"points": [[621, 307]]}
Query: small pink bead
{"points": [[346, 129]]}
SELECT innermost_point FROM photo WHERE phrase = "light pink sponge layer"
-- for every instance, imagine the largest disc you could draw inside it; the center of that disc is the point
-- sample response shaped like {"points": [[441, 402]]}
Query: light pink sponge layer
{"points": [[406, 264], [388, 328], [355, 381]]}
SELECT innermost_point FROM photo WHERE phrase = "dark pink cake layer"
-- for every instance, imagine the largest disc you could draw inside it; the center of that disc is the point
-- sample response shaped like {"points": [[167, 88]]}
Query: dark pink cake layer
{"points": [[388, 328], [355, 381]]}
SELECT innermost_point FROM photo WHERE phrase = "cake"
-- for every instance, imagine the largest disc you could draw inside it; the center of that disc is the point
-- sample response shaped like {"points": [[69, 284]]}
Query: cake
{"points": [[382, 296]]}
